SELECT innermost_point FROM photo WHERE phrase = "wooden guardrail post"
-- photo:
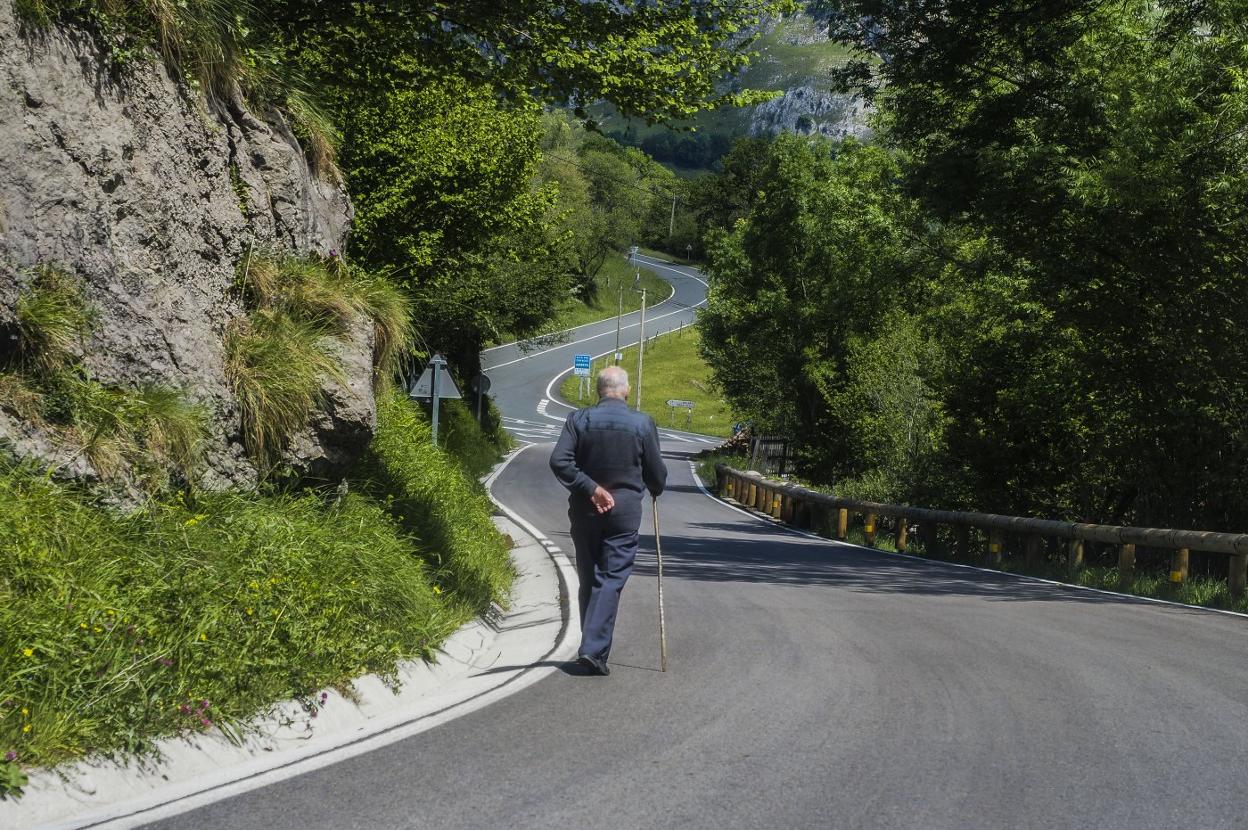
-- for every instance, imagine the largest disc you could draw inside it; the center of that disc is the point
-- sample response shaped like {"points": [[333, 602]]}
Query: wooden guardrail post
{"points": [[1034, 552], [1178, 566], [1074, 555], [995, 543], [963, 540], [842, 523], [930, 538], [903, 531], [1237, 576], [868, 529], [786, 508], [727, 490], [777, 504], [798, 515], [824, 523], [1126, 565]]}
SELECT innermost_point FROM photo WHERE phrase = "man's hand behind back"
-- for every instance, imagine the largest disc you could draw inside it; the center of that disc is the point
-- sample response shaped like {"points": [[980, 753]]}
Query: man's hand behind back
{"points": [[602, 499]]}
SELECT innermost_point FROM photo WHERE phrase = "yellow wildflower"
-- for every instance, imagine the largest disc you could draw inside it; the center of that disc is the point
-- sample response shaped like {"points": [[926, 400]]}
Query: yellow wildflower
{"points": [[26, 728], [203, 636], [83, 626], [436, 589], [29, 652], [249, 612], [25, 711]]}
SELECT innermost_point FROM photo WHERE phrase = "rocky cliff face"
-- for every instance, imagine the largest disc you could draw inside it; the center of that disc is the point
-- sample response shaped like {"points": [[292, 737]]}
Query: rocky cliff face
{"points": [[809, 110], [152, 196], [797, 57]]}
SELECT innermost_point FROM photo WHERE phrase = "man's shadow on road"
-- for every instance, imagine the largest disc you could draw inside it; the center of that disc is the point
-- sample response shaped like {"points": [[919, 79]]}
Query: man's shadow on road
{"points": [[570, 668]]}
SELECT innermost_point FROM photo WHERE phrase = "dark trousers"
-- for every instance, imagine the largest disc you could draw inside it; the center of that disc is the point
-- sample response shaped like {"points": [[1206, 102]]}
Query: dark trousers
{"points": [[606, 546]]}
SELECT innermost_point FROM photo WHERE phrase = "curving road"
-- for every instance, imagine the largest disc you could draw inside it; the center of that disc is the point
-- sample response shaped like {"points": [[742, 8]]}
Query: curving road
{"points": [[524, 381], [814, 684]]}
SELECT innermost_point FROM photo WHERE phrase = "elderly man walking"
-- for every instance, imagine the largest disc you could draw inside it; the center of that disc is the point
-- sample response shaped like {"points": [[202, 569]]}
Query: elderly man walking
{"points": [[607, 457]]}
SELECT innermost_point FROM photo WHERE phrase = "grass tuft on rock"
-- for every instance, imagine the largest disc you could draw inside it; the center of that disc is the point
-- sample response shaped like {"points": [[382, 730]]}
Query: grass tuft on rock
{"points": [[276, 365], [52, 318], [277, 359]]}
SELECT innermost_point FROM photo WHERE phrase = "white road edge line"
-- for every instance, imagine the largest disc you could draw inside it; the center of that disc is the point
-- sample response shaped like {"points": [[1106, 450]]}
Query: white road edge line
{"points": [[939, 564]]}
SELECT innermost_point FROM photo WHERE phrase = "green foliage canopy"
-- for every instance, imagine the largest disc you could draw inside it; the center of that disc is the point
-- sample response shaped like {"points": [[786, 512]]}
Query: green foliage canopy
{"points": [[1079, 183]]}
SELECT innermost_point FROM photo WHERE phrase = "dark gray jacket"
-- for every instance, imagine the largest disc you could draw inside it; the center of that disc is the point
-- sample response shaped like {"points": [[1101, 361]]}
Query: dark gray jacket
{"points": [[611, 445]]}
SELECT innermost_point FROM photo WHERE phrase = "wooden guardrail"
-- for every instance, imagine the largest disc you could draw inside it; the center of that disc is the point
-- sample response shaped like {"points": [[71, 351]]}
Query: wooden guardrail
{"points": [[829, 516]]}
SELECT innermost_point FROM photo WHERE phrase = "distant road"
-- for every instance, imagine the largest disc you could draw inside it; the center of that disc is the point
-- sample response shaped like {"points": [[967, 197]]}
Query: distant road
{"points": [[521, 379], [814, 684]]}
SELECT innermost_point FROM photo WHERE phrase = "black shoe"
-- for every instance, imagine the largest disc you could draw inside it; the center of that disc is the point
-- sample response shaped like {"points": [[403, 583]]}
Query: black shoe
{"points": [[594, 665]]}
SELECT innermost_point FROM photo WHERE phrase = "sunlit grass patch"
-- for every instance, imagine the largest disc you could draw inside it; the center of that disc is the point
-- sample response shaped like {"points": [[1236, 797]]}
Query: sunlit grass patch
{"points": [[671, 370], [116, 630]]}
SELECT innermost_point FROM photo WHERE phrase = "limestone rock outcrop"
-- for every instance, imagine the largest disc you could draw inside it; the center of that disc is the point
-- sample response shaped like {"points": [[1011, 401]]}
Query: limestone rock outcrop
{"points": [[152, 195]]}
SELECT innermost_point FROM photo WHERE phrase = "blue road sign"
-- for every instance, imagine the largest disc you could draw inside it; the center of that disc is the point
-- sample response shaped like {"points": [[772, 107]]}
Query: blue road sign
{"points": [[580, 364]]}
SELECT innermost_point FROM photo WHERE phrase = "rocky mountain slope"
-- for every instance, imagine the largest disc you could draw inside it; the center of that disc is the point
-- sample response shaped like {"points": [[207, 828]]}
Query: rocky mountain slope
{"points": [[152, 196]]}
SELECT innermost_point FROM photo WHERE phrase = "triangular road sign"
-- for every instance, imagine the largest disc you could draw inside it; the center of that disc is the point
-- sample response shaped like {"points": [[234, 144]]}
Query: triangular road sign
{"points": [[422, 388]]}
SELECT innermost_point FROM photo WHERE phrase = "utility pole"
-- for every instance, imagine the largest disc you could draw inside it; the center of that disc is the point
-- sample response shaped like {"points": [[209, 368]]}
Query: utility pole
{"points": [[618, 316], [671, 225], [641, 345]]}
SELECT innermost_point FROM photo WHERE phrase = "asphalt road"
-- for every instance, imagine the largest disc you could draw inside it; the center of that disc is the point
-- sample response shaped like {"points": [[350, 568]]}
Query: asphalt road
{"points": [[813, 684], [523, 376]]}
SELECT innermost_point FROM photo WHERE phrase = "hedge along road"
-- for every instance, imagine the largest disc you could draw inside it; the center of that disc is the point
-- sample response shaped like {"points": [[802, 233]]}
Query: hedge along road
{"points": [[814, 684]]}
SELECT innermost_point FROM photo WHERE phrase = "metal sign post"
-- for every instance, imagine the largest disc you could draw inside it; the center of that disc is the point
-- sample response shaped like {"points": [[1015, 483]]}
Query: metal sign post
{"points": [[479, 384], [581, 364], [437, 363], [432, 386], [641, 346], [688, 406]]}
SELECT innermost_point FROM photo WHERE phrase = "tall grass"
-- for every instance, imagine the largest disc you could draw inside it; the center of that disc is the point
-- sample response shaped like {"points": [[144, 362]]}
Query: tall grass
{"points": [[276, 365], [116, 630], [278, 358], [432, 498]]}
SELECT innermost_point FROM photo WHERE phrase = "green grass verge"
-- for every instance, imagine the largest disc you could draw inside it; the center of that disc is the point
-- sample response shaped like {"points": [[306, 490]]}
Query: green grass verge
{"points": [[117, 630], [672, 370], [477, 448]]}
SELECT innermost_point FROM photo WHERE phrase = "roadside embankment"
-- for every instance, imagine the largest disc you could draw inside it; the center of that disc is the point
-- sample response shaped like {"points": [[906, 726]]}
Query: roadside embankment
{"points": [[118, 629]]}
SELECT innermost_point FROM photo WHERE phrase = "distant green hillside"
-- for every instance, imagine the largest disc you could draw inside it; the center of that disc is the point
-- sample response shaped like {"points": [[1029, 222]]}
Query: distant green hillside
{"points": [[794, 58]]}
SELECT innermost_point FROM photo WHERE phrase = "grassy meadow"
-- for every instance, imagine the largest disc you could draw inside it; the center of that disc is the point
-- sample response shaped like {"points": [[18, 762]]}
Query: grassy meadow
{"points": [[672, 370]]}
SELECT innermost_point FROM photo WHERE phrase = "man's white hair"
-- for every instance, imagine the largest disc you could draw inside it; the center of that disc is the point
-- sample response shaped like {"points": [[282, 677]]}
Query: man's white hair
{"points": [[613, 383]]}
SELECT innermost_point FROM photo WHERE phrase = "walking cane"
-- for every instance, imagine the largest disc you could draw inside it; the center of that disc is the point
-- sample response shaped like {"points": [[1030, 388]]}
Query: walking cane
{"points": [[658, 549]]}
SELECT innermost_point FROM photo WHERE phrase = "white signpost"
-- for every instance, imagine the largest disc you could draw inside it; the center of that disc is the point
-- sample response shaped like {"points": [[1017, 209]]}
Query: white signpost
{"points": [[434, 384], [582, 367], [673, 405]]}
